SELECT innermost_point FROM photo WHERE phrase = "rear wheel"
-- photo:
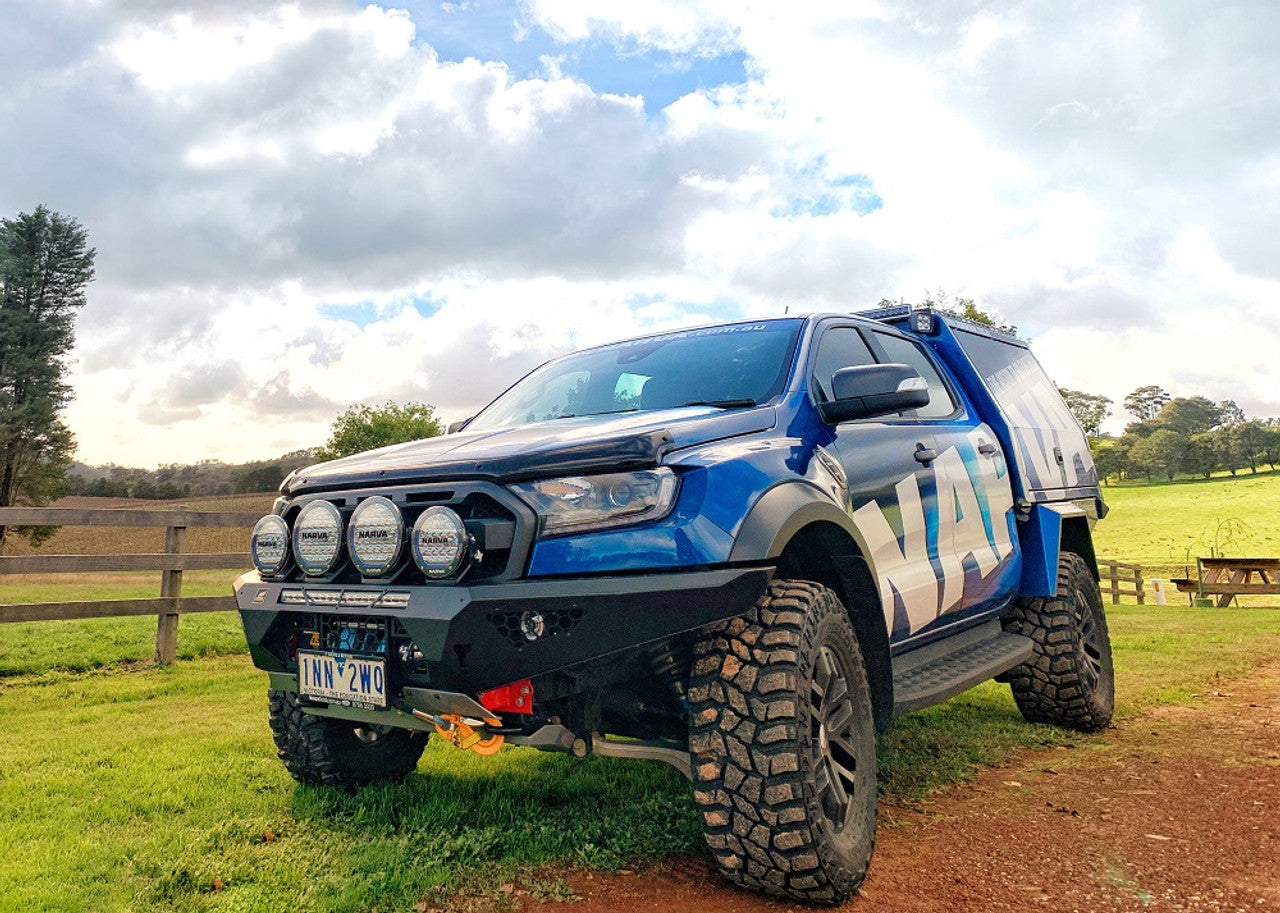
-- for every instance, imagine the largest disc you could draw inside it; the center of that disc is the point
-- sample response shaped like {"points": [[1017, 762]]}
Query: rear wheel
{"points": [[1069, 681], [322, 751], [783, 746]]}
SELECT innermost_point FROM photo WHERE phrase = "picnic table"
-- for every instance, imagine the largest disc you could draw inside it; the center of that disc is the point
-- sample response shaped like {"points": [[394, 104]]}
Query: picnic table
{"points": [[1228, 578]]}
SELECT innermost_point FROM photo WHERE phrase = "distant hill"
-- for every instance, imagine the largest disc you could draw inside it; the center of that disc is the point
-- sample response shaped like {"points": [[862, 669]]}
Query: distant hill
{"points": [[172, 481]]}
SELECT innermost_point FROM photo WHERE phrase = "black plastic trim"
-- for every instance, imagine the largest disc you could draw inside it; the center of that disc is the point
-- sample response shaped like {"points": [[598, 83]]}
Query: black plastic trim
{"points": [[466, 652]]}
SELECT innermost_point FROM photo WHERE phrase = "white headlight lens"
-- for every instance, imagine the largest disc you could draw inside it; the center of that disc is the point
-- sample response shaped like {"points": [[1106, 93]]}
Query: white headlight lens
{"points": [[317, 538], [375, 536], [269, 545], [439, 542], [582, 503]]}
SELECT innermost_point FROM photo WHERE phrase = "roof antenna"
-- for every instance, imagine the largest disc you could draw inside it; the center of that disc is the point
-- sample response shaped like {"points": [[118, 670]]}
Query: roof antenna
{"points": [[786, 310]]}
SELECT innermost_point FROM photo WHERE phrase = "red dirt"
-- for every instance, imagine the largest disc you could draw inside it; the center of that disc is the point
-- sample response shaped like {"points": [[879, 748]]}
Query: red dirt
{"points": [[1177, 809]]}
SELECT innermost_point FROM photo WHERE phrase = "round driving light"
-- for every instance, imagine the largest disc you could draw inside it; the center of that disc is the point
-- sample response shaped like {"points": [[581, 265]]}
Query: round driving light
{"points": [[317, 538], [270, 545], [375, 536], [439, 542]]}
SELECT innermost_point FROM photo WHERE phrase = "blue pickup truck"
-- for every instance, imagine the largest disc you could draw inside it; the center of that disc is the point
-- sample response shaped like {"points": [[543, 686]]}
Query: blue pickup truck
{"points": [[740, 549]]}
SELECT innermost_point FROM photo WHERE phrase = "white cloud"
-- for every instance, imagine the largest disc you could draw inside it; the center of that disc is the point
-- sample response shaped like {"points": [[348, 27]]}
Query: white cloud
{"points": [[298, 207]]}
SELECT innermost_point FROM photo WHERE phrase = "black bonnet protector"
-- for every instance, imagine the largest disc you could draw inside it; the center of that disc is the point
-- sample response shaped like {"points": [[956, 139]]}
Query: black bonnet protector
{"points": [[413, 464], [573, 446]]}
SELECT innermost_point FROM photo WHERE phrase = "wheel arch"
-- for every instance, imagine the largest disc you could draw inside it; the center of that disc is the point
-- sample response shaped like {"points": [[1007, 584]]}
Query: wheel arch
{"points": [[807, 537]]}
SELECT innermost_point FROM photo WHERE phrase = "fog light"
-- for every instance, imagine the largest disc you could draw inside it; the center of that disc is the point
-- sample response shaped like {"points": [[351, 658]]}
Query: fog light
{"points": [[532, 625]]}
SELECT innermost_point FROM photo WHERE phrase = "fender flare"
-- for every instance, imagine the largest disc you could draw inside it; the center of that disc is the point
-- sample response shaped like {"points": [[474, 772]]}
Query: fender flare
{"points": [[780, 513]]}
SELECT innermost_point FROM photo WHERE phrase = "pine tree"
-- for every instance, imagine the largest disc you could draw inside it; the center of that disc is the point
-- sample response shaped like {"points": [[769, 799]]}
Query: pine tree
{"points": [[45, 264]]}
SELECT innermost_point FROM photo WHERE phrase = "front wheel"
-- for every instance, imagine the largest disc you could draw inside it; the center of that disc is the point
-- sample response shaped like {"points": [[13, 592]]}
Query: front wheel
{"points": [[783, 746], [323, 751], [1069, 681]]}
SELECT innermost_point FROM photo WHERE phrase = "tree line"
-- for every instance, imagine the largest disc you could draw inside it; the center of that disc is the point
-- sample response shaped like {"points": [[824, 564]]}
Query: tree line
{"points": [[171, 481], [356, 430], [1175, 435]]}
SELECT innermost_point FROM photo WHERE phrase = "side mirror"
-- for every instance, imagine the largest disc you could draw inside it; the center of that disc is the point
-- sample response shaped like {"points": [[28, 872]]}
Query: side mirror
{"points": [[455, 427], [867, 391]]}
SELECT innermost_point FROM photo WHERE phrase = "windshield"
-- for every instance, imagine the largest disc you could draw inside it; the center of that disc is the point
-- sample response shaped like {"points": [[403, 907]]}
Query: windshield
{"points": [[732, 366]]}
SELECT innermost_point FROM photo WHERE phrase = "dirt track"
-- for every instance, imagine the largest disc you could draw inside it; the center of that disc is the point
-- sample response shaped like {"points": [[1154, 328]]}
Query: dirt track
{"points": [[1178, 809]]}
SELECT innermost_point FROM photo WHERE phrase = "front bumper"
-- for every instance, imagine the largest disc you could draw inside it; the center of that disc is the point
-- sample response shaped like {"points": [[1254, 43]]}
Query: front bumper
{"points": [[472, 639]]}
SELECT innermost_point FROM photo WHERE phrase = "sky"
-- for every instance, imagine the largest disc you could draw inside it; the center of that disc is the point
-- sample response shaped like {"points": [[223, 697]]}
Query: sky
{"points": [[300, 207]]}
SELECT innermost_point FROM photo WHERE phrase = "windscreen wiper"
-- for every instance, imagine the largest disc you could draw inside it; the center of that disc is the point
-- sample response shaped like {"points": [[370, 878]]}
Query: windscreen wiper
{"points": [[610, 412], [723, 403]]}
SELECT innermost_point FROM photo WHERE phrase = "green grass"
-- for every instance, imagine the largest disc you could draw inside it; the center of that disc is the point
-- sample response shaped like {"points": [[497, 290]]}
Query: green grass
{"points": [[53, 647], [143, 790], [158, 789], [86, 587], [1169, 524]]}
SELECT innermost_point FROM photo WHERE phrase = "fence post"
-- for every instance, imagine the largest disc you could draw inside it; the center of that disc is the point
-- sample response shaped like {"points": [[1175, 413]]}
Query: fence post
{"points": [[1137, 585], [175, 540], [1113, 574]]}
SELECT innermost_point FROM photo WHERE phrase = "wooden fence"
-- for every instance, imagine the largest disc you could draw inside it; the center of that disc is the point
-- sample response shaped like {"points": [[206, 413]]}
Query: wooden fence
{"points": [[168, 606], [1114, 574]]}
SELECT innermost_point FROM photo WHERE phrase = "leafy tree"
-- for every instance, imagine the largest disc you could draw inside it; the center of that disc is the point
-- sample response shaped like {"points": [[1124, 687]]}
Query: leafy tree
{"points": [[1271, 449], [1249, 442], [957, 307], [1201, 455], [363, 428], [1226, 452], [1110, 457], [966, 308], [1230, 414], [1145, 403], [45, 264], [1189, 415], [1090, 409], [1159, 453]]}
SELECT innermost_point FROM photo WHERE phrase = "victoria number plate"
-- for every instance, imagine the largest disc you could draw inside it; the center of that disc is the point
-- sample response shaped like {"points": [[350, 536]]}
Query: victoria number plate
{"points": [[341, 678]]}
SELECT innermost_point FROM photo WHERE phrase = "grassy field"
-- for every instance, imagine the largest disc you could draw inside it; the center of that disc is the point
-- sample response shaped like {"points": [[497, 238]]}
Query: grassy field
{"points": [[1171, 524], [158, 789], [127, 787], [52, 647]]}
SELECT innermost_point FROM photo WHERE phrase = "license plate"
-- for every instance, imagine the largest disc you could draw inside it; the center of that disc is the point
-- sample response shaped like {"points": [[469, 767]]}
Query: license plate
{"points": [[340, 678]]}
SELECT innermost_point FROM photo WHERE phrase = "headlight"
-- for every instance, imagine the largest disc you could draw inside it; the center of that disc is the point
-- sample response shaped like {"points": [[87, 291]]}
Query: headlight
{"points": [[317, 538], [269, 545], [375, 536], [582, 503]]}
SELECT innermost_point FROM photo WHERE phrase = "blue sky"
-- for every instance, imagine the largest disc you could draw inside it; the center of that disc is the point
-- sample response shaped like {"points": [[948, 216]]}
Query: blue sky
{"points": [[502, 31], [302, 206]]}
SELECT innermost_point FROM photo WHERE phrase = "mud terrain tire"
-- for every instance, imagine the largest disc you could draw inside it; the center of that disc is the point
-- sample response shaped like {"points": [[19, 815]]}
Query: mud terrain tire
{"points": [[783, 746], [1070, 681], [321, 751]]}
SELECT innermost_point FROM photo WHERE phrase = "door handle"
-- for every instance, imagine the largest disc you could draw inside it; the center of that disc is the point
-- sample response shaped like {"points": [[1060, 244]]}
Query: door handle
{"points": [[925, 454], [987, 448]]}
